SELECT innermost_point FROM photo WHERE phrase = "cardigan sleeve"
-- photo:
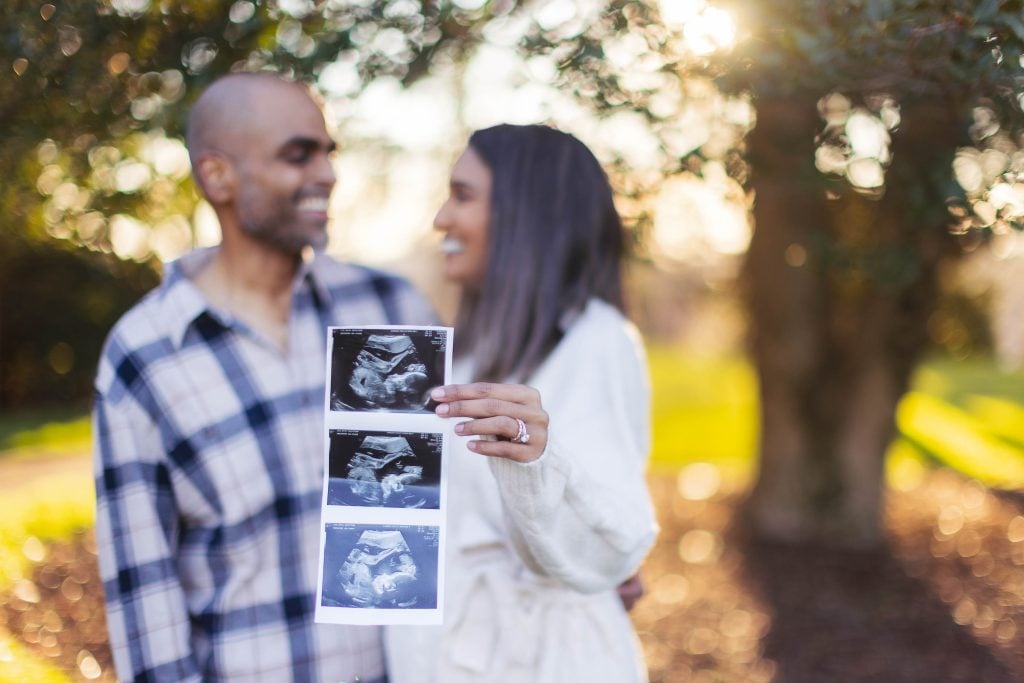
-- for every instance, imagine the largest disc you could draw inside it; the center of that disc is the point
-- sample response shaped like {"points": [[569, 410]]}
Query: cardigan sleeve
{"points": [[581, 513]]}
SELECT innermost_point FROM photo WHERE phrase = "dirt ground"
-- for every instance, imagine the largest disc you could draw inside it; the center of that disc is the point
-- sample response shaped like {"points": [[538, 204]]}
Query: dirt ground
{"points": [[943, 602]]}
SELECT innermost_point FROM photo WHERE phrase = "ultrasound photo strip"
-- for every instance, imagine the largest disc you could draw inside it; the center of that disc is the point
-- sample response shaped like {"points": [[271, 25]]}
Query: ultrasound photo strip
{"points": [[383, 511]]}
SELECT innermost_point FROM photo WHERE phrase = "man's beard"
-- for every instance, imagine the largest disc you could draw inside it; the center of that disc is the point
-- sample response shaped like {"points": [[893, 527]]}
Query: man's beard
{"points": [[282, 232]]}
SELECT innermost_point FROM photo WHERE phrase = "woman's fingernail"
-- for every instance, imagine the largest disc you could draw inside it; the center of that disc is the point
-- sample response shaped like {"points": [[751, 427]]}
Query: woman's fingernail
{"points": [[437, 393], [442, 409], [471, 445], [459, 428]]}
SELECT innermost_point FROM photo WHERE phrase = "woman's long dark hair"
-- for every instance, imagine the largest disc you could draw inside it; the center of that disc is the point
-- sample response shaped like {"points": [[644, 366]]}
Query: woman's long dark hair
{"points": [[554, 242]]}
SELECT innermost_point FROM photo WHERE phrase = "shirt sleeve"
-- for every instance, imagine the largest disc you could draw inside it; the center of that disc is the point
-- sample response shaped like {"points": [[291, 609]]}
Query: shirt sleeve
{"points": [[582, 513], [136, 534]]}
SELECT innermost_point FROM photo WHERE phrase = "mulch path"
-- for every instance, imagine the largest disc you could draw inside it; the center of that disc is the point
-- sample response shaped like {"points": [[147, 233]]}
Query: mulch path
{"points": [[58, 614], [943, 602]]}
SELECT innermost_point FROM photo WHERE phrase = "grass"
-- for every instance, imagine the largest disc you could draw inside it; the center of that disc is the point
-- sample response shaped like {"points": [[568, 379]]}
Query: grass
{"points": [[956, 381], [55, 432], [704, 410], [50, 508], [967, 415], [963, 441]]}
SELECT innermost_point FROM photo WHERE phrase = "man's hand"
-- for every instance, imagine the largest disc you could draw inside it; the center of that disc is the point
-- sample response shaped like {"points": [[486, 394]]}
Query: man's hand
{"points": [[631, 590]]}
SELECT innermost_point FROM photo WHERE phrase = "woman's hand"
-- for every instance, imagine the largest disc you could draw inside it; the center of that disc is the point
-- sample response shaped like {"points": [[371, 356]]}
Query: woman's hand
{"points": [[510, 412]]}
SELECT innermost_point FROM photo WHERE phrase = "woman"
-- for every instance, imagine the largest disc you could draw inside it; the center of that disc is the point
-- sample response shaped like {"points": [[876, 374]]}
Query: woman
{"points": [[556, 514]]}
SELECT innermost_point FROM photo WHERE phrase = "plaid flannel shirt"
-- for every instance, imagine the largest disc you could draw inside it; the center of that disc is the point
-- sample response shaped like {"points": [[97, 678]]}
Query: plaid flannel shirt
{"points": [[208, 466]]}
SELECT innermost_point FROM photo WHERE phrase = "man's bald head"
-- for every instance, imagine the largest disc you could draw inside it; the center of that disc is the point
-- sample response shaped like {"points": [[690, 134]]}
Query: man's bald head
{"points": [[261, 155], [226, 114]]}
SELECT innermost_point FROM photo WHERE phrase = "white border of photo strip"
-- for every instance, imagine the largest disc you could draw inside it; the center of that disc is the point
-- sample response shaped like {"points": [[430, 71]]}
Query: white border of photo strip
{"points": [[421, 522]]}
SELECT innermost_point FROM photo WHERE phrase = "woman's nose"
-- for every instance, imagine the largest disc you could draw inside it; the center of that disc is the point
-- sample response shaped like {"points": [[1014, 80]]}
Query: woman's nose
{"points": [[441, 219]]}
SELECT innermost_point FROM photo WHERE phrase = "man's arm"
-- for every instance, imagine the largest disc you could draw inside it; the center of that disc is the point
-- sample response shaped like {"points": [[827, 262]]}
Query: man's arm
{"points": [[136, 531]]}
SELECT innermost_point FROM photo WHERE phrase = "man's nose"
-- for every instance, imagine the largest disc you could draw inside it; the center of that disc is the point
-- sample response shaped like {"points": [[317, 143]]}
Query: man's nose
{"points": [[324, 173]]}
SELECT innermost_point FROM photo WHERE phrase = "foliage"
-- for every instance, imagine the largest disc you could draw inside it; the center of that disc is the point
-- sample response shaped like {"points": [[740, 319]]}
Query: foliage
{"points": [[82, 80], [955, 50], [94, 106], [875, 56], [50, 341]]}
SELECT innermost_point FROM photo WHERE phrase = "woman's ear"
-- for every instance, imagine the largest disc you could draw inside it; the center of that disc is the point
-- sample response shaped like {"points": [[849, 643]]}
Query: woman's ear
{"points": [[216, 177]]}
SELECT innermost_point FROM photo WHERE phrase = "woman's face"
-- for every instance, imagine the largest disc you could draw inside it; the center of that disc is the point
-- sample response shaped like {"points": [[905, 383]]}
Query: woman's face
{"points": [[464, 219]]}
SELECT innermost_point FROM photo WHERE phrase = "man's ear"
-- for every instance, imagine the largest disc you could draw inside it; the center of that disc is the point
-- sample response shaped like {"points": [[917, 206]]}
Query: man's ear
{"points": [[216, 176]]}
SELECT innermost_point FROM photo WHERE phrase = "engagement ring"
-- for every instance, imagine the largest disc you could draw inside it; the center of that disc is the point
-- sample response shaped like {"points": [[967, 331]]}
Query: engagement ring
{"points": [[522, 436]]}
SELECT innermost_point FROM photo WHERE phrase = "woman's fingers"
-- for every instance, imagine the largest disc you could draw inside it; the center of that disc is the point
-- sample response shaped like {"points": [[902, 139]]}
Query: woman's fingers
{"points": [[514, 393], [506, 449], [489, 407], [501, 426], [482, 400], [511, 412]]}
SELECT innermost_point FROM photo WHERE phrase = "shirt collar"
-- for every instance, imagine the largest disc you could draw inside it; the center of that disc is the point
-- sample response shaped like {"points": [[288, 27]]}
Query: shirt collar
{"points": [[315, 271], [184, 302]]}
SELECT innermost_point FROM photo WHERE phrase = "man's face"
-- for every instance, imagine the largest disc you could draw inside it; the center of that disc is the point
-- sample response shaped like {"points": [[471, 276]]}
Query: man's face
{"points": [[285, 175]]}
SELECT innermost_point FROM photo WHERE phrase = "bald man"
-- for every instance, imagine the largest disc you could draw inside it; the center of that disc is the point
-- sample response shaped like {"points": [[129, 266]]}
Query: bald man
{"points": [[208, 413]]}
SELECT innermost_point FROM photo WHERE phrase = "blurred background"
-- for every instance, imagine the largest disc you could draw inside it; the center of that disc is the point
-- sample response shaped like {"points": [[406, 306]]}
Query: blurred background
{"points": [[824, 200]]}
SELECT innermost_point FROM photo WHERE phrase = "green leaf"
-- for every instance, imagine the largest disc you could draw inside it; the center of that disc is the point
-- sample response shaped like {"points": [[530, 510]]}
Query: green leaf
{"points": [[1016, 25], [980, 31], [805, 42], [986, 11]]}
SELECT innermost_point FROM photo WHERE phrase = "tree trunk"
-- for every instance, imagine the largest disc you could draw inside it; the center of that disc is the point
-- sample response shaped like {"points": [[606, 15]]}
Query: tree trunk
{"points": [[839, 293]]}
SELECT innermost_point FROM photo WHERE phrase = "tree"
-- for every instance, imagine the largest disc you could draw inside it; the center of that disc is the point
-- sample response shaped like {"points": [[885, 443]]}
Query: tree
{"points": [[850, 231], [844, 276], [862, 131]]}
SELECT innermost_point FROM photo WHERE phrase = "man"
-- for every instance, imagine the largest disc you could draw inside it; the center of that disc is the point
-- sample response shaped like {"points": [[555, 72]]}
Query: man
{"points": [[208, 414]]}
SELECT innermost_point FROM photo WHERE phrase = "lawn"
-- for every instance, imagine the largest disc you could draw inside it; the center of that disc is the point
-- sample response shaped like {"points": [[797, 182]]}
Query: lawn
{"points": [[44, 433], [967, 415]]}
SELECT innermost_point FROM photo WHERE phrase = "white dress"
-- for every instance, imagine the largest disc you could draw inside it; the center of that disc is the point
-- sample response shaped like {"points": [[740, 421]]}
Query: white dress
{"points": [[536, 550]]}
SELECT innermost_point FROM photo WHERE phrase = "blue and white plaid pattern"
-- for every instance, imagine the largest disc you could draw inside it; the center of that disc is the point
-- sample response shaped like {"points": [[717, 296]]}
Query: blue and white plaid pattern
{"points": [[208, 465]]}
